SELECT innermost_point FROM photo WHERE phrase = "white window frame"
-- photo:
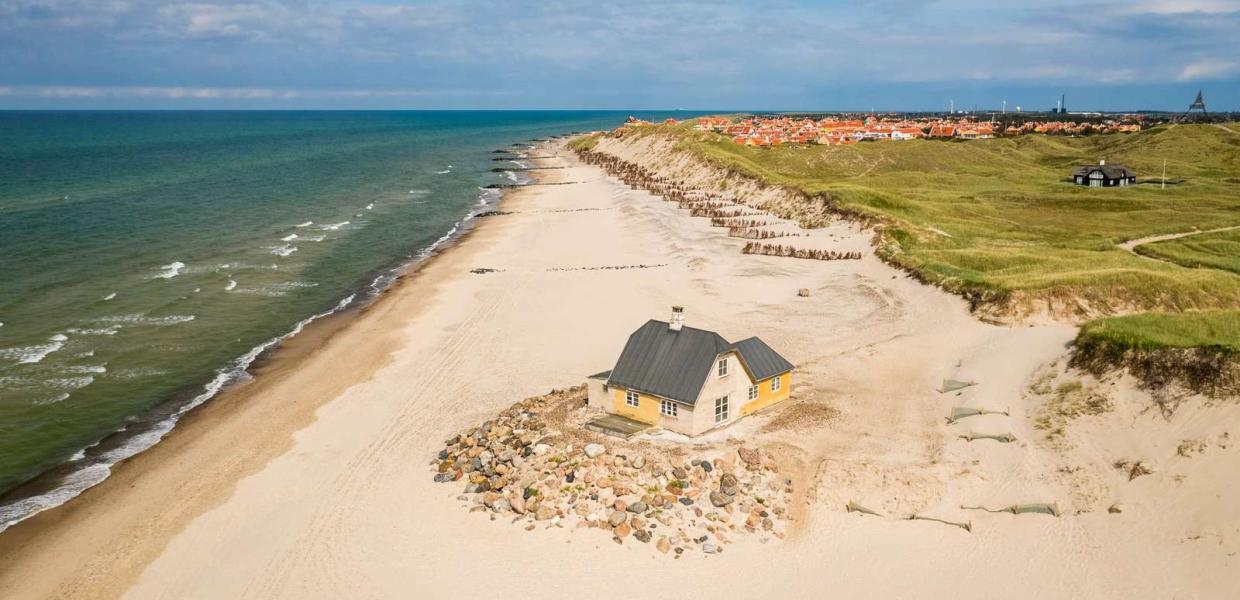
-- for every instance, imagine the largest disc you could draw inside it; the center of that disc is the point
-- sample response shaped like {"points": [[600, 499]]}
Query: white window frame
{"points": [[632, 399], [721, 367], [668, 408], [775, 384], [722, 409], [753, 392]]}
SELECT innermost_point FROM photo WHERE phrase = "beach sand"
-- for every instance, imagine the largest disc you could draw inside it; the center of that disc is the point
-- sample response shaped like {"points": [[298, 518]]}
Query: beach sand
{"points": [[313, 481]]}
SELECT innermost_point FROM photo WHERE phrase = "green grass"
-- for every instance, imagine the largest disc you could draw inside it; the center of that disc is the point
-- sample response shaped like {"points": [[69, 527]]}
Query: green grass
{"points": [[998, 219], [1219, 250], [583, 142], [1213, 330]]}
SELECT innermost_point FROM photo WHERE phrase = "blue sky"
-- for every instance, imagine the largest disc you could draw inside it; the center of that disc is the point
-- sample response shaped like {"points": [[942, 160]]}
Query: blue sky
{"points": [[633, 54]]}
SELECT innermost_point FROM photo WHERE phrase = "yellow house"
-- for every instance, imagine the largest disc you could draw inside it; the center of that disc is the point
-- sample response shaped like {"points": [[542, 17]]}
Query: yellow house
{"points": [[690, 380]]}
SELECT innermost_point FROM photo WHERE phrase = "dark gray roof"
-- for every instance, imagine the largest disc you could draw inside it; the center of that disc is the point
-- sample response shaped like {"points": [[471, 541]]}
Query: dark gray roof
{"points": [[760, 359], [1110, 171], [675, 364], [601, 375]]}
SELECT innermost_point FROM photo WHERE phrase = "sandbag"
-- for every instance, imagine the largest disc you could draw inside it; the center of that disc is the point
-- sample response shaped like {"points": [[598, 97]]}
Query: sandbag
{"points": [[1003, 438], [967, 525], [951, 385], [960, 412], [854, 507], [1051, 509]]}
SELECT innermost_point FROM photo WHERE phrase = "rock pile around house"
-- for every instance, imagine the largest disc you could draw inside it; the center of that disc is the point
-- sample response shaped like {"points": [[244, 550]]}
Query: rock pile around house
{"points": [[520, 465]]}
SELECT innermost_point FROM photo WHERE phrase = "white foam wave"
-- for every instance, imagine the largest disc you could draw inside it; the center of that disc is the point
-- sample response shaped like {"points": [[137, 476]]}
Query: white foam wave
{"points": [[142, 319], [29, 355], [69, 383], [60, 337], [94, 331], [370, 206], [61, 397], [284, 250], [96, 369], [416, 192], [333, 226], [288, 238], [232, 284], [170, 270], [443, 172], [276, 289], [110, 296], [317, 238], [136, 373], [306, 224]]}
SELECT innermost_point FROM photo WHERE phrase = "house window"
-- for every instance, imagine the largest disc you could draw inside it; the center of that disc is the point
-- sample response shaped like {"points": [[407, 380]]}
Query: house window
{"points": [[667, 408], [775, 383], [632, 399], [722, 367], [721, 409], [753, 392]]}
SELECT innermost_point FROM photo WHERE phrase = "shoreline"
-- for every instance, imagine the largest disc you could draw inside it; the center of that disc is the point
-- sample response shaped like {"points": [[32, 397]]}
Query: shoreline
{"points": [[286, 355], [239, 372]]}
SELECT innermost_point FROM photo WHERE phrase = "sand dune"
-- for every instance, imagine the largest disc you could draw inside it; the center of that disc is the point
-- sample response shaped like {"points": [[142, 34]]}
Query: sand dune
{"points": [[313, 482]]}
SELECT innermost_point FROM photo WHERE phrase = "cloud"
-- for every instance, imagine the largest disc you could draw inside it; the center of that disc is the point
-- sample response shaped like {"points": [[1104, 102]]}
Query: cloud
{"points": [[1207, 69], [1179, 7], [526, 53]]}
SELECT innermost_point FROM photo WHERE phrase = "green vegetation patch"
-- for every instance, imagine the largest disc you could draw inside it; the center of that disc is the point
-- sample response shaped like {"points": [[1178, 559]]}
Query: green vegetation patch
{"points": [[1220, 250], [1000, 219], [1217, 331], [583, 142]]}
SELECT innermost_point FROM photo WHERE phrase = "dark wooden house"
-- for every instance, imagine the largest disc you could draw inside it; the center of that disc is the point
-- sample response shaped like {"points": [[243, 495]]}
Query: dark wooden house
{"points": [[1104, 175]]}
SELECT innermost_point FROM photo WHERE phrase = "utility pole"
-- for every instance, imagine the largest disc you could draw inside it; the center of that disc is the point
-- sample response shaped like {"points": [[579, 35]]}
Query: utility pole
{"points": [[1164, 179]]}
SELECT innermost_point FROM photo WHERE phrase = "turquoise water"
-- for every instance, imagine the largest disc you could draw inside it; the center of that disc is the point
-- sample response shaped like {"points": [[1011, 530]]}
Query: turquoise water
{"points": [[146, 258]]}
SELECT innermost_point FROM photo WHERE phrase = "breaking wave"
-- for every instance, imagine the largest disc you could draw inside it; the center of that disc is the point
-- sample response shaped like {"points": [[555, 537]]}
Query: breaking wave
{"points": [[170, 270]]}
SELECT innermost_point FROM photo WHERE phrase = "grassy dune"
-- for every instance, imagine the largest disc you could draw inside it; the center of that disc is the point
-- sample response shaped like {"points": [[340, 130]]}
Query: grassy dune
{"points": [[1214, 330], [1219, 250], [998, 221]]}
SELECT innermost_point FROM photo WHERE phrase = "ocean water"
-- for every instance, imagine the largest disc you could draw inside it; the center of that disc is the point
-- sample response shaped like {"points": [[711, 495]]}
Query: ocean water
{"points": [[147, 258]]}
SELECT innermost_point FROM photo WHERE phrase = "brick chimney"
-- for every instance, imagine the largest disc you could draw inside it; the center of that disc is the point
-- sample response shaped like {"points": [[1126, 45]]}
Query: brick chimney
{"points": [[678, 318]]}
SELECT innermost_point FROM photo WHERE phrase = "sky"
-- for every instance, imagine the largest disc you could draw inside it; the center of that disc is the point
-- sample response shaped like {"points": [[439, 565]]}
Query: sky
{"points": [[630, 54]]}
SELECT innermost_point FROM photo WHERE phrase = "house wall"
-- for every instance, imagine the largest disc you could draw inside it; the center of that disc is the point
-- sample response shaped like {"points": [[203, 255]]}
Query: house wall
{"points": [[682, 422], [647, 410], [765, 396], [597, 394], [734, 385]]}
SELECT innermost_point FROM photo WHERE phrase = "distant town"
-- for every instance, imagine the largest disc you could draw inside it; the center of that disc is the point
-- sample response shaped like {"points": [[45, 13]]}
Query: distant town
{"points": [[850, 128], [766, 131]]}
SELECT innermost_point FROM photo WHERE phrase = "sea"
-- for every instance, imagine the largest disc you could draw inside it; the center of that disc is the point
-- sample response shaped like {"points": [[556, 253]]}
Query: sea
{"points": [[148, 259]]}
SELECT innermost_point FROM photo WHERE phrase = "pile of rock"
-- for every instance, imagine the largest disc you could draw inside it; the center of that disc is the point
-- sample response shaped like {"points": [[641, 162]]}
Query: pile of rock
{"points": [[521, 465]]}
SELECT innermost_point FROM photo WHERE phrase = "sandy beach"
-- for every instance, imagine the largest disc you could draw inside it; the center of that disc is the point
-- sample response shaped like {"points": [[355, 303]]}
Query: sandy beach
{"points": [[313, 481]]}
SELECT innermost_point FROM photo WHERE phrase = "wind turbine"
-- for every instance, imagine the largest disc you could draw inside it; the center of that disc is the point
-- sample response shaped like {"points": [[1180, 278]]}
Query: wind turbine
{"points": [[1005, 106]]}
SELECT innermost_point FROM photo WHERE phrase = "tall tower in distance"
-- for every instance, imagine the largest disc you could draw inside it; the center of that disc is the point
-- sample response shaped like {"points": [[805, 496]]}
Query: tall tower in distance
{"points": [[1063, 104], [1198, 104]]}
